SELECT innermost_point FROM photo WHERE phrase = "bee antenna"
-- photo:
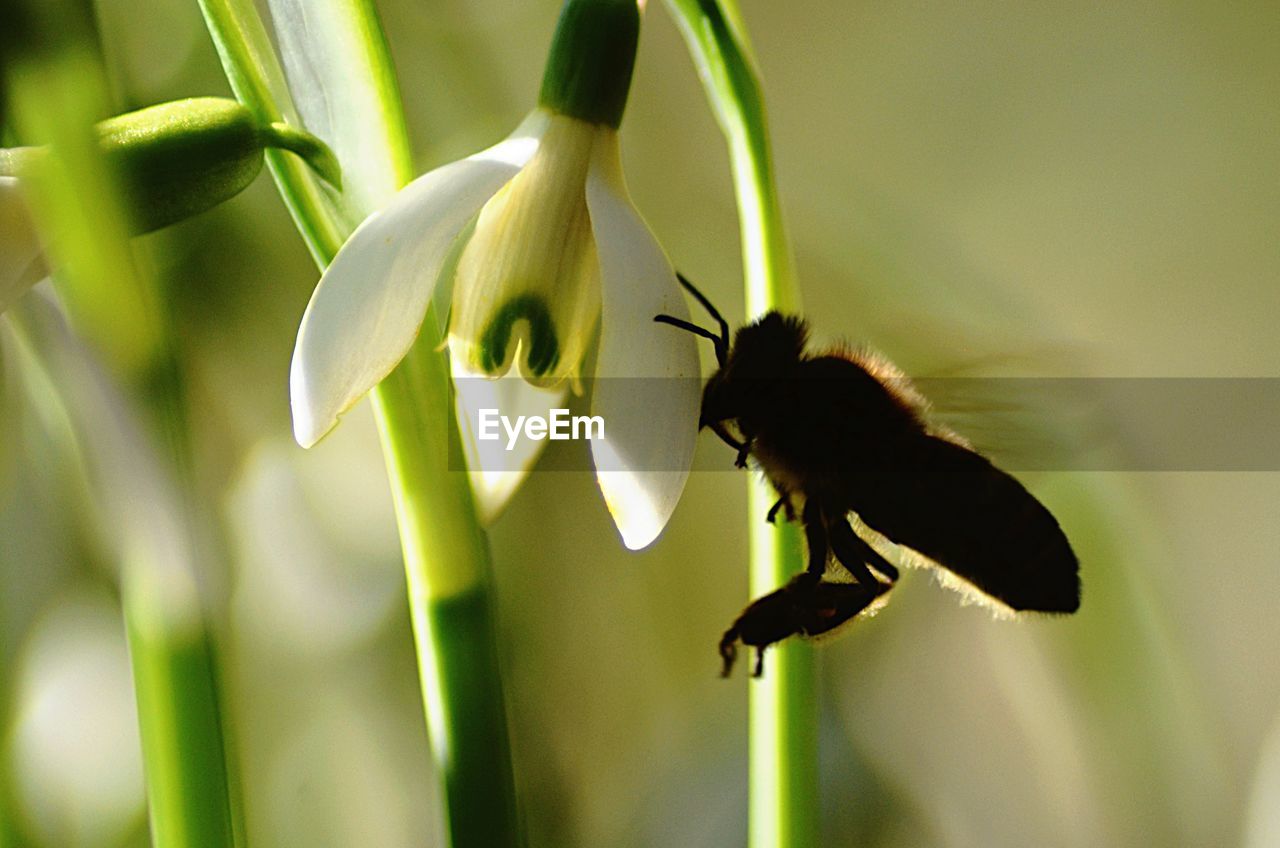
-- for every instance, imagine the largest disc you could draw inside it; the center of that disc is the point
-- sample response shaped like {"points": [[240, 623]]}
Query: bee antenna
{"points": [[695, 329], [722, 344]]}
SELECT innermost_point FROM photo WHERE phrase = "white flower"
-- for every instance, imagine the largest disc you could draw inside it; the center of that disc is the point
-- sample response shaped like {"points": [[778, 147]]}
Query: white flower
{"points": [[558, 250], [22, 263]]}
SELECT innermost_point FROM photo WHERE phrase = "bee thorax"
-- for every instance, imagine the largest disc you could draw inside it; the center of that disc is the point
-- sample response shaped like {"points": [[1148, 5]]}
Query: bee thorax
{"points": [[785, 476]]}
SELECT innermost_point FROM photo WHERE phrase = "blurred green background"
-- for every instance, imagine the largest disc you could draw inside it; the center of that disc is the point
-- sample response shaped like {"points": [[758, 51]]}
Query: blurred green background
{"points": [[1078, 188]]}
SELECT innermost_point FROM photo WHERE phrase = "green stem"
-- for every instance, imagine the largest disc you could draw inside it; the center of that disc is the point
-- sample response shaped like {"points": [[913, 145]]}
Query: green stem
{"points": [[450, 600], [447, 568], [176, 683], [448, 571], [783, 788], [10, 834], [447, 560], [190, 793], [312, 150], [55, 93]]}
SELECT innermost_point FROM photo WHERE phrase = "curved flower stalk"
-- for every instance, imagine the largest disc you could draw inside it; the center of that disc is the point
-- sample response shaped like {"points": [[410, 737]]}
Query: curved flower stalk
{"points": [[783, 787], [557, 253]]}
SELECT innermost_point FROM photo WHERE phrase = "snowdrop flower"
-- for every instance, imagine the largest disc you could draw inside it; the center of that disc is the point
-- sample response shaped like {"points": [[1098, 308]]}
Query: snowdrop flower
{"points": [[558, 254]]}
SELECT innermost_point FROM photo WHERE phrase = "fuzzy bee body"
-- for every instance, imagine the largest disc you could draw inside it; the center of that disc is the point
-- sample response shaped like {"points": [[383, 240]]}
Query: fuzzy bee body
{"points": [[843, 433]]}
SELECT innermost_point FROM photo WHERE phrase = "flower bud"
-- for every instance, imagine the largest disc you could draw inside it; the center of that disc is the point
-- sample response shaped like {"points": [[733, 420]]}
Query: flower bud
{"points": [[178, 159]]}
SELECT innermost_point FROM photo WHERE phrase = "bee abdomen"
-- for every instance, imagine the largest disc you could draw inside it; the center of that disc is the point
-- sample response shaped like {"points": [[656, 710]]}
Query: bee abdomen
{"points": [[979, 523]]}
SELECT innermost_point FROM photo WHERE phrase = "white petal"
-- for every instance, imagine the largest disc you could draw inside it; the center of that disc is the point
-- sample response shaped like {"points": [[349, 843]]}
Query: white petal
{"points": [[369, 305], [651, 425], [21, 259], [496, 472]]}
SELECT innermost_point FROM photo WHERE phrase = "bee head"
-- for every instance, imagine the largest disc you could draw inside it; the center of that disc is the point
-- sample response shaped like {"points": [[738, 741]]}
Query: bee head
{"points": [[762, 352], [768, 346]]}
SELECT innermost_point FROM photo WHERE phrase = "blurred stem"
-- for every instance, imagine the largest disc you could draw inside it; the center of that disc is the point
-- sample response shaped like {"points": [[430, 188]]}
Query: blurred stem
{"points": [[172, 650], [447, 561], [10, 837], [783, 790], [175, 678], [56, 92], [8, 806]]}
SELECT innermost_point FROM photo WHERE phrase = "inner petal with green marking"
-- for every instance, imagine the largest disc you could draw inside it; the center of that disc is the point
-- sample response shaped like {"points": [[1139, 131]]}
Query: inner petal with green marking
{"points": [[542, 351], [527, 286]]}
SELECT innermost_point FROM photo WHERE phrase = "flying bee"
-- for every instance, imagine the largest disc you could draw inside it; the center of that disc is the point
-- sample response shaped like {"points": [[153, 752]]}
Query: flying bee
{"points": [[842, 434]]}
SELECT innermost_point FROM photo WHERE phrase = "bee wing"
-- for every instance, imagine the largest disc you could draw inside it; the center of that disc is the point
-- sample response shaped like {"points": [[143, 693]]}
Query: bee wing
{"points": [[959, 511], [1023, 423]]}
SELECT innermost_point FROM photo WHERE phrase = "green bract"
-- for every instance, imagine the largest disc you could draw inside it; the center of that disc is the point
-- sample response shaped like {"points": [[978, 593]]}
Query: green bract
{"points": [[588, 71]]}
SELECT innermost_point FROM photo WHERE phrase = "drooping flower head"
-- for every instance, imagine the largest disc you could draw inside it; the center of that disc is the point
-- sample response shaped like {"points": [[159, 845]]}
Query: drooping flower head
{"points": [[558, 257]]}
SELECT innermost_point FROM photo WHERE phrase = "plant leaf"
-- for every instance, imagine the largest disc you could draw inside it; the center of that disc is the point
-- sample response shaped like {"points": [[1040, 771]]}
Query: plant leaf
{"points": [[339, 70]]}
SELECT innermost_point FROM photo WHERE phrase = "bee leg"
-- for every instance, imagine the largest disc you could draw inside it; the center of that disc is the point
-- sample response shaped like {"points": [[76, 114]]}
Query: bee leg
{"points": [[758, 671], [725, 436], [729, 650], [855, 554], [815, 533], [785, 500]]}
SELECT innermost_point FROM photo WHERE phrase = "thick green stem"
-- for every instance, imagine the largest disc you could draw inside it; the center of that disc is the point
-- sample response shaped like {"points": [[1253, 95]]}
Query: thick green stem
{"points": [[450, 600], [783, 787], [448, 572], [175, 679], [447, 561], [190, 789]]}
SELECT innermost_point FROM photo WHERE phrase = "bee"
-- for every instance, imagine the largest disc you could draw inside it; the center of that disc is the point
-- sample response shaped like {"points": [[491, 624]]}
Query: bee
{"points": [[843, 438]]}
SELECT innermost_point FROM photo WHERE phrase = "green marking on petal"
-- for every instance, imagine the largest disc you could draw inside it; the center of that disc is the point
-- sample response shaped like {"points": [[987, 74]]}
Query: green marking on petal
{"points": [[544, 349]]}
